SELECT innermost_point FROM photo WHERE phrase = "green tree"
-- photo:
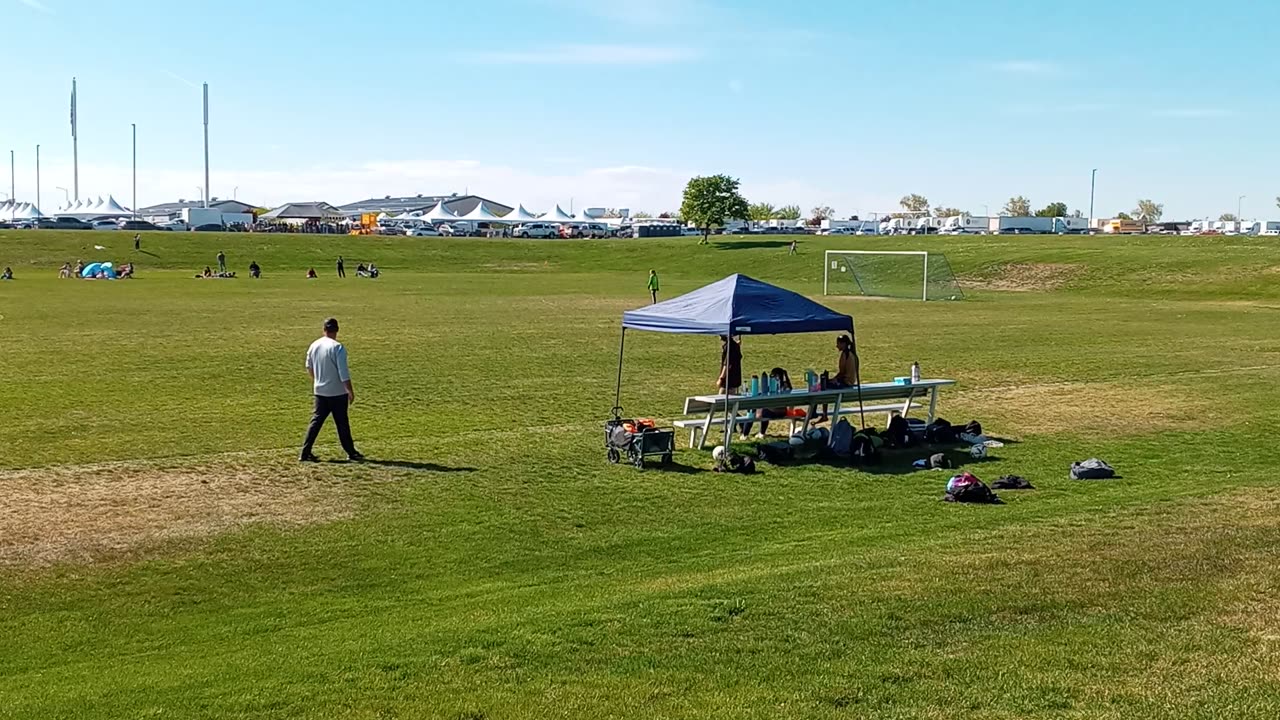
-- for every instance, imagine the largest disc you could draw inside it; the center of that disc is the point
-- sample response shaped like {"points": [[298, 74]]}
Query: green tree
{"points": [[1057, 209], [1017, 207], [1228, 217], [820, 213], [1077, 214], [1149, 211], [1124, 216], [711, 201], [788, 212], [641, 215], [914, 203], [946, 212], [762, 211]]}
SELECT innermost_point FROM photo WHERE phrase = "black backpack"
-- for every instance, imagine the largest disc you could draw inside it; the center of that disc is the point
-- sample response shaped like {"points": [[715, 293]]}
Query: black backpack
{"points": [[898, 434], [973, 428], [940, 432], [863, 451], [841, 438]]}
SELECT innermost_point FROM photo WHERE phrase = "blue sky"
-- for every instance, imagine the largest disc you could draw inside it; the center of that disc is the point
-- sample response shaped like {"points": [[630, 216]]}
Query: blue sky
{"points": [[848, 104]]}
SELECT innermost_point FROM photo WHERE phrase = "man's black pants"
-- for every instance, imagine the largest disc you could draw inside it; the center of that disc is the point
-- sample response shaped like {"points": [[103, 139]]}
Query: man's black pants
{"points": [[326, 406]]}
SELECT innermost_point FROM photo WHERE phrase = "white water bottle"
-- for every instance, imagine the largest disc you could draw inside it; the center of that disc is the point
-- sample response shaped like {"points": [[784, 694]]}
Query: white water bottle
{"points": [[915, 372]]}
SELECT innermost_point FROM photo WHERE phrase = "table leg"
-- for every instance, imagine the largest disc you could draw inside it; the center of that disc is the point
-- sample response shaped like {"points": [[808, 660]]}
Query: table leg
{"points": [[933, 404], [706, 428]]}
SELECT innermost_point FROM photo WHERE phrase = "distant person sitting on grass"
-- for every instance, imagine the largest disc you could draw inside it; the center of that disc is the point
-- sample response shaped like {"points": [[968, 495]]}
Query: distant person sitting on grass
{"points": [[79, 268], [373, 271], [65, 271], [7, 274], [361, 270], [255, 272], [126, 271], [207, 273], [311, 273]]}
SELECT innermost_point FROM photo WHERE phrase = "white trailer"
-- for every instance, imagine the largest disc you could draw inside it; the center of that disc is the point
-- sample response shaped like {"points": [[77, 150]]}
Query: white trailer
{"points": [[1269, 227], [1022, 225], [196, 217]]}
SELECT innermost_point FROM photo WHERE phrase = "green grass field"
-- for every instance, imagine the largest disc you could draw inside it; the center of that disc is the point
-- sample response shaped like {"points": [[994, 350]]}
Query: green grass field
{"points": [[162, 555]]}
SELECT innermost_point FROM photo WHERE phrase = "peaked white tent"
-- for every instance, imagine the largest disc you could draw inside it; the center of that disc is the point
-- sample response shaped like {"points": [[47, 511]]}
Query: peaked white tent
{"points": [[27, 211], [440, 213], [519, 215], [97, 204], [557, 216], [481, 214], [111, 207]]}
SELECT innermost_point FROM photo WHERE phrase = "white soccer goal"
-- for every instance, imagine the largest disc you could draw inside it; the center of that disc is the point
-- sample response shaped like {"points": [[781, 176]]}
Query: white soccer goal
{"points": [[913, 274]]}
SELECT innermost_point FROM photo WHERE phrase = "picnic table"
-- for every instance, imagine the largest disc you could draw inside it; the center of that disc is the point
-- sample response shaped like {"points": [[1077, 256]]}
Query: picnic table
{"points": [[889, 397]]}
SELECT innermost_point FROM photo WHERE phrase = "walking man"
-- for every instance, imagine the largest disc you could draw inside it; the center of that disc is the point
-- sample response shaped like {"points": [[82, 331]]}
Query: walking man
{"points": [[792, 251], [653, 285], [331, 385], [222, 262], [137, 242], [341, 271]]}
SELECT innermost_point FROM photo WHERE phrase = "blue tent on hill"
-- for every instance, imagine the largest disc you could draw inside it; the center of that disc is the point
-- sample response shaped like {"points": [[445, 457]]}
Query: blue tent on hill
{"points": [[736, 305]]}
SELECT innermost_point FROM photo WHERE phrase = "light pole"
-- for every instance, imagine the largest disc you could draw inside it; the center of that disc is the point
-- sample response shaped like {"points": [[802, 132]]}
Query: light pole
{"points": [[986, 210], [1093, 184], [235, 192], [201, 191], [40, 213], [1239, 207], [134, 207], [13, 184]]}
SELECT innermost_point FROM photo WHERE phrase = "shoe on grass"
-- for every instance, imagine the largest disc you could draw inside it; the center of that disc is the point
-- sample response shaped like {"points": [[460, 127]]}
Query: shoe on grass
{"points": [[355, 457], [308, 458]]}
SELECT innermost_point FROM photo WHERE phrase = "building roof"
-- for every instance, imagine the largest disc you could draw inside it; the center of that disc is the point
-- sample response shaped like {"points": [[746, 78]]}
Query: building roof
{"points": [[305, 211], [456, 204], [176, 207]]}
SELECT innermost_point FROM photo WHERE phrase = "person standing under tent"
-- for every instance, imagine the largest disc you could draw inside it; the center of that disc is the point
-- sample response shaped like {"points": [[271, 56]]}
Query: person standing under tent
{"points": [[331, 387], [730, 365], [653, 285], [222, 262], [342, 272]]}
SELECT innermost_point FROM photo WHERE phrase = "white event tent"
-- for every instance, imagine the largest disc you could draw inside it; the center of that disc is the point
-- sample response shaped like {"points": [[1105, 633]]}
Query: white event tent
{"points": [[519, 215], [481, 213], [557, 216]]}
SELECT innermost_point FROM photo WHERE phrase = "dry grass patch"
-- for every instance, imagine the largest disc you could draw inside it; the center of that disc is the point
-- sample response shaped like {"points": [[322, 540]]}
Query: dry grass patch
{"points": [[1109, 408], [79, 515], [1023, 277]]}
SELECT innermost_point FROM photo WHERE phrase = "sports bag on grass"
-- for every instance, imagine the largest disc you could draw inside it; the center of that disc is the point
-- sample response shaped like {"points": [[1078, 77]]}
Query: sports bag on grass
{"points": [[1092, 469]]}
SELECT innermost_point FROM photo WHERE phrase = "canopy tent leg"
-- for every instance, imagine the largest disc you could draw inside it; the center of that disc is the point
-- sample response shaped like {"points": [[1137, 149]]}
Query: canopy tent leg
{"points": [[729, 414], [857, 377], [617, 393]]}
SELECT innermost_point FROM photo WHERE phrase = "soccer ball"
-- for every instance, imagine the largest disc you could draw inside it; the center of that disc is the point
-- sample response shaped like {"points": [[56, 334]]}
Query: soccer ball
{"points": [[978, 452], [718, 453]]}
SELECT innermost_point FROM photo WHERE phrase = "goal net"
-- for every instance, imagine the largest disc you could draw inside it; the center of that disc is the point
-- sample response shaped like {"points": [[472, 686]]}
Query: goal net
{"points": [[894, 274]]}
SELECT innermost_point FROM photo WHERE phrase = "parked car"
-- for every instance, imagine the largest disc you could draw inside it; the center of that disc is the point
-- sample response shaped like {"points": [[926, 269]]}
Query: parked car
{"points": [[105, 225], [455, 230], [208, 227], [425, 231], [536, 230], [64, 223], [624, 232], [137, 225], [178, 225]]}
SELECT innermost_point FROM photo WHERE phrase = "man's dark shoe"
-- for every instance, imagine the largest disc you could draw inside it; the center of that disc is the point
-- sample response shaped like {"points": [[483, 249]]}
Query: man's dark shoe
{"points": [[355, 457], [309, 458]]}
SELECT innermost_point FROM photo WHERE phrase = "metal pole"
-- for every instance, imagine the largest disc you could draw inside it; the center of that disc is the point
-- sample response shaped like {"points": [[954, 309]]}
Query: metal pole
{"points": [[75, 144], [925, 292], [1093, 183], [13, 184], [617, 394], [206, 144], [135, 170], [1239, 208], [41, 212]]}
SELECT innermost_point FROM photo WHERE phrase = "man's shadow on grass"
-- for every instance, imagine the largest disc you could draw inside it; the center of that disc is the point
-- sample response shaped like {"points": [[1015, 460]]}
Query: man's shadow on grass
{"points": [[749, 244], [408, 465]]}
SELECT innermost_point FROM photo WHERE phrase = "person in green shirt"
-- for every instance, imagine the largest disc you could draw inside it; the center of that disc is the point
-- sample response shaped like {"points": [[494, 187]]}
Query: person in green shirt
{"points": [[653, 285]]}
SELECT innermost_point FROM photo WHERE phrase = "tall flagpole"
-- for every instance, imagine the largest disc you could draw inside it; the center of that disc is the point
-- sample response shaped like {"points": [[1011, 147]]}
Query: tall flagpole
{"points": [[206, 145], [134, 207], [13, 188], [39, 213], [75, 145]]}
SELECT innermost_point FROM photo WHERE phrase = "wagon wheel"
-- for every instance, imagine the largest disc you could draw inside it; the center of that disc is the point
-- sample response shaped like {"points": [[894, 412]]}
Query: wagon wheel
{"points": [[614, 456], [637, 457]]}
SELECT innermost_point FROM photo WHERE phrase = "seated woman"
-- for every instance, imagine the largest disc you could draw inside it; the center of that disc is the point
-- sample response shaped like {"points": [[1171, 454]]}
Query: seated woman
{"points": [[65, 271], [208, 273], [255, 272], [775, 413], [846, 370], [361, 270], [126, 271], [373, 270], [79, 268], [7, 274], [311, 273]]}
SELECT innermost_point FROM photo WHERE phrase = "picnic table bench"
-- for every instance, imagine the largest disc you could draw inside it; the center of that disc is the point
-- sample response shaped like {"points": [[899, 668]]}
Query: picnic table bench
{"points": [[889, 397]]}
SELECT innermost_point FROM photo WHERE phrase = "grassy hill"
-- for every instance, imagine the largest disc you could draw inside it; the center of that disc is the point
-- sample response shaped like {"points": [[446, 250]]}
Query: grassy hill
{"points": [[161, 553]]}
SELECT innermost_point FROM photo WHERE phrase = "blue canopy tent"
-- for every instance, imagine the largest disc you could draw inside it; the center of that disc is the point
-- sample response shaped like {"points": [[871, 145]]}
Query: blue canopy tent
{"points": [[736, 305]]}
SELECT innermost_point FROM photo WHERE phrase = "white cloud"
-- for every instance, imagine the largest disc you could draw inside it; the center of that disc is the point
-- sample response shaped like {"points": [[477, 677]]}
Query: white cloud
{"points": [[585, 55], [1025, 67], [1194, 113], [37, 6]]}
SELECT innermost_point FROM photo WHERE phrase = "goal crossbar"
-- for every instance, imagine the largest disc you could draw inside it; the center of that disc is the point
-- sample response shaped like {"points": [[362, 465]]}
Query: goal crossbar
{"points": [[828, 264]]}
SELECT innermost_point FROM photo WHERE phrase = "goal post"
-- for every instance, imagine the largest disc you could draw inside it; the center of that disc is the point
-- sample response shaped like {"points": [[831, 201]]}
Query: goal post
{"points": [[908, 274]]}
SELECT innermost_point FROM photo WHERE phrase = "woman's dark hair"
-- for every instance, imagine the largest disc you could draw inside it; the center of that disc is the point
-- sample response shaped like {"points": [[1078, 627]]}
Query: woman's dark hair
{"points": [[783, 378]]}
